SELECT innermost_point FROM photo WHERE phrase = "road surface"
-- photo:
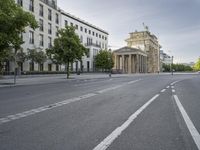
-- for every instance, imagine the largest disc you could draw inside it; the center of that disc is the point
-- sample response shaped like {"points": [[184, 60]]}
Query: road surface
{"points": [[138, 112]]}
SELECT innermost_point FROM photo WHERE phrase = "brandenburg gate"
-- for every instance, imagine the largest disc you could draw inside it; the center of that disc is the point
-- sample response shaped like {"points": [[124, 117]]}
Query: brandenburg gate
{"points": [[130, 60]]}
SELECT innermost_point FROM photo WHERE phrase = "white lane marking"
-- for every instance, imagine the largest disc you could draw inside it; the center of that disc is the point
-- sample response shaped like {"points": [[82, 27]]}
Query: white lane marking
{"points": [[117, 132], [173, 91], [131, 82], [167, 87], [172, 87], [175, 82], [163, 91], [189, 123], [58, 104]]}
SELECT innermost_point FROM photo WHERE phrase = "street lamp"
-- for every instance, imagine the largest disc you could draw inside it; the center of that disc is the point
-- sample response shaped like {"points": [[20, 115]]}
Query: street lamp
{"points": [[172, 65], [109, 61]]}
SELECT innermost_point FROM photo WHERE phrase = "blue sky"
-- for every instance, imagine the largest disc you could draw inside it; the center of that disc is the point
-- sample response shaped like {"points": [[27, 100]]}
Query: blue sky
{"points": [[175, 22]]}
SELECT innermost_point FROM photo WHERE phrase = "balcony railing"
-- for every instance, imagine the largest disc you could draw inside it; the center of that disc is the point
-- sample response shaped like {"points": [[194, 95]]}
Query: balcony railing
{"points": [[50, 3], [93, 44]]}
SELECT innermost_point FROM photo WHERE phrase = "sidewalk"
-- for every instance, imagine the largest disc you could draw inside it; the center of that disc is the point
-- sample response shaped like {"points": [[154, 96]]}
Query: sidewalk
{"points": [[8, 81]]}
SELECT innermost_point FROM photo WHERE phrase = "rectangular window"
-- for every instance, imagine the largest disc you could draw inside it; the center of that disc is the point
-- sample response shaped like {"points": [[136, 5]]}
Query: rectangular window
{"points": [[20, 2], [41, 11], [49, 67], [85, 30], [41, 38], [31, 5], [31, 37], [76, 26], [57, 18], [66, 23], [57, 28], [49, 28], [49, 14], [81, 28], [49, 42], [93, 33], [99, 35], [41, 23], [89, 32], [96, 34], [103, 37], [71, 24]]}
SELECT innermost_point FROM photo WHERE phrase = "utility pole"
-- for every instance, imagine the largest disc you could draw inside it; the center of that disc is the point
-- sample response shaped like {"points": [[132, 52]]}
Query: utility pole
{"points": [[172, 65]]}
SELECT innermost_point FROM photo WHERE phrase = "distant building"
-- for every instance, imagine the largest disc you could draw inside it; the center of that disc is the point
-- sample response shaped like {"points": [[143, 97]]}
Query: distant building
{"points": [[147, 42]]}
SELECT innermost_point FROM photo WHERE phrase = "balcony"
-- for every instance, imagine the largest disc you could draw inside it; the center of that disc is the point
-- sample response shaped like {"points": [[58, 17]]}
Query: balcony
{"points": [[92, 44], [51, 3]]}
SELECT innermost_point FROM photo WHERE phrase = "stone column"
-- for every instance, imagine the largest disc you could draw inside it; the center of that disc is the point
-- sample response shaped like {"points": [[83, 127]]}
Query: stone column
{"points": [[142, 64], [123, 64], [137, 63], [130, 64], [133, 63], [115, 62]]}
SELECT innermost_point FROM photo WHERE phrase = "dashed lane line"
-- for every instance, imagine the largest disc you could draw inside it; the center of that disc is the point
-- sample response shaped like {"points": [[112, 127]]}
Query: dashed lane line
{"points": [[58, 104], [192, 129], [117, 132], [162, 91]]}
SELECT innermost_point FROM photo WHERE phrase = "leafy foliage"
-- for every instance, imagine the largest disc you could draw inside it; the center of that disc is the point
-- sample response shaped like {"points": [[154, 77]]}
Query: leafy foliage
{"points": [[104, 60], [197, 65], [67, 48], [177, 67]]}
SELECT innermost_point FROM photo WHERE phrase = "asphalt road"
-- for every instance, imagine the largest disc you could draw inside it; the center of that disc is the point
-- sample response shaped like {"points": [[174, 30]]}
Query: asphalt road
{"points": [[147, 112]]}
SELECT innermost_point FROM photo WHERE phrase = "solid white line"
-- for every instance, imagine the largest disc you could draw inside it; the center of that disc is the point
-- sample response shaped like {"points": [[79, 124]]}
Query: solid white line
{"points": [[131, 82], [163, 90], [189, 123], [110, 138]]}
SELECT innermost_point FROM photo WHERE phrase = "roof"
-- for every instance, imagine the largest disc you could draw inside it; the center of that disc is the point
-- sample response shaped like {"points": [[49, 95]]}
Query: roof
{"points": [[83, 22], [129, 50]]}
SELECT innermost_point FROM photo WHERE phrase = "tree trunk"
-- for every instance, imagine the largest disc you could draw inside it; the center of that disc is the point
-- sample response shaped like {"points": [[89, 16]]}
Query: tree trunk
{"points": [[67, 69]]}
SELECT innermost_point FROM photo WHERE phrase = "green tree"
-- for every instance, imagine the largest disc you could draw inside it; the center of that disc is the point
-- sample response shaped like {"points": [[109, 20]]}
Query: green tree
{"points": [[197, 65], [13, 20], [104, 60], [36, 56], [67, 48]]}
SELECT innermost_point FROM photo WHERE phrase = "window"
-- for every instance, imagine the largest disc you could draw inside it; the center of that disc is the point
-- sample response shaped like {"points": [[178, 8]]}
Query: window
{"points": [[76, 26], [41, 38], [85, 30], [31, 5], [49, 42], [99, 35], [89, 32], [31, 66], [49, 28], [81, 39], [41, 25], [57, 31], [31, 37], [96, 34], [93, 33], [57, 18], [81, 28], [41, 12], [20, 2], [71, 24], [49, 14], [49, 67], [66, 23], [103, 37]]}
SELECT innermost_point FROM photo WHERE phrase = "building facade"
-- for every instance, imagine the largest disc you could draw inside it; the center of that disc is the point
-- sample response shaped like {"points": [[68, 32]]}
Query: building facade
{"points": [[130, 60], [91, 37], [147, 42], [50, 19]]}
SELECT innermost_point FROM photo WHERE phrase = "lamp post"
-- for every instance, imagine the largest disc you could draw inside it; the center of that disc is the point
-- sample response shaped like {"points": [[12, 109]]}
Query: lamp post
{"points": [[109, 61], [172, 65]]}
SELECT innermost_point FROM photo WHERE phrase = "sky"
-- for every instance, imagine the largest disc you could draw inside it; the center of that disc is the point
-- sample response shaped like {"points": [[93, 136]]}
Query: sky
{"points": [[176, 23]]}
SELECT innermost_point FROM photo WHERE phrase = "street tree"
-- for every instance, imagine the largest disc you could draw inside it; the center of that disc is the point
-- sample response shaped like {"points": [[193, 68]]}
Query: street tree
{"points": [[197, 65], [67, 48], [13, 21], [36, 56], [104, 60]]}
